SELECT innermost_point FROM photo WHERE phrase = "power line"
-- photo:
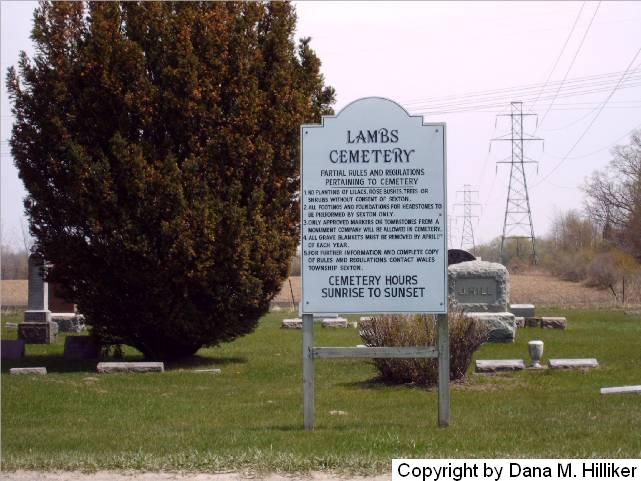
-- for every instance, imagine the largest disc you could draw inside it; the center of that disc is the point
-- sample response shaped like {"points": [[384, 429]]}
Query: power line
{"points": [[576, 54], [631, 82], [515, 89], [566, 91], [567, 155], [610, 145], [561, 52]]}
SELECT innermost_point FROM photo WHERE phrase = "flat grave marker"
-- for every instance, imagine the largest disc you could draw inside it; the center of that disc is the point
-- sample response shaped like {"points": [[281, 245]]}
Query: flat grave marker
{"points": [[621, 390], [20, 371], [573, 363]]}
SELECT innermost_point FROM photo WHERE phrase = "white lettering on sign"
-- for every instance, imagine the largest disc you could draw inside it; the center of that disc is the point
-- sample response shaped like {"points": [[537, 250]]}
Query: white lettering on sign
{"points": [[373, 212]]}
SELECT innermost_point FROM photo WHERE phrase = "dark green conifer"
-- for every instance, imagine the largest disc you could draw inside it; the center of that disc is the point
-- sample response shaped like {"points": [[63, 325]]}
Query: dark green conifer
{"points": [[158, 143]]}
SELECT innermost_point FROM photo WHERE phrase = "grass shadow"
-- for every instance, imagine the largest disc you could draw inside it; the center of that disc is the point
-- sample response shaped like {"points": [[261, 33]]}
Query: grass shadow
{"points": [[56, 363], [53, 363], [198, 361], [378, 383]]}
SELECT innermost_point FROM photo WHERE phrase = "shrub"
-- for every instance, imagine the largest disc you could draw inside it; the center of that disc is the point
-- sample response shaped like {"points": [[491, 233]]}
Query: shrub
{"points": [[466, 336], [571, 266], [607, 268]]}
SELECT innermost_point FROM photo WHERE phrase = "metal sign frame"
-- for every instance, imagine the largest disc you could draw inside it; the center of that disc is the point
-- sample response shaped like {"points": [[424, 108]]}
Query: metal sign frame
{"points": [[440, 352]]}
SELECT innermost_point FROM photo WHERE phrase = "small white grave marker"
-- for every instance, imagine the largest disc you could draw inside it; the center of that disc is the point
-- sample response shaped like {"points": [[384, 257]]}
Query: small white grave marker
{"points": [[621, 389], [573, 363]]}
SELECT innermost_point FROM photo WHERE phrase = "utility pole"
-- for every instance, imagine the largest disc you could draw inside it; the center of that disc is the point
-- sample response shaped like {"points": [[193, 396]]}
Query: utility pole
{"points": [[517, 224], [467, 235]]}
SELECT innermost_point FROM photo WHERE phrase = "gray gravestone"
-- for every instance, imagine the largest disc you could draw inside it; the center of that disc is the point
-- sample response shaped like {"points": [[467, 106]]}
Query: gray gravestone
{"points": [[126, 367], [554, 322], [479, 286], [456, 256], [17, 371], [81, 348], [292, 323], [69, 322], [38, 293], [501, 326], [12, 349], [573, 363], [337, 322], [482, 290], [500, 365], [522, 310]]}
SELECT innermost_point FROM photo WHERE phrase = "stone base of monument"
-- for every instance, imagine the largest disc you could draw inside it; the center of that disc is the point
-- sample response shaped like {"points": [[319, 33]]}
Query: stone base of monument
{"points": [[12, 349], [499, 365], [501, 325], [573, 363], [38, 332], [78, 348], [38, 371], [292, 323], [554, 322], [37, 316], [522, 310], [336, 322], [127, 367]]}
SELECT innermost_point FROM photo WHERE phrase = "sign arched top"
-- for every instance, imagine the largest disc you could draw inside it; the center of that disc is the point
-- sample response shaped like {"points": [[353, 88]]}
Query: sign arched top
{"points": [[373, 193]]}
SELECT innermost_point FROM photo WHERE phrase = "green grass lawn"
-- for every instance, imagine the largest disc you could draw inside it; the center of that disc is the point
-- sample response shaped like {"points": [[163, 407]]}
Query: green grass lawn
{"points": [[250, 416]]}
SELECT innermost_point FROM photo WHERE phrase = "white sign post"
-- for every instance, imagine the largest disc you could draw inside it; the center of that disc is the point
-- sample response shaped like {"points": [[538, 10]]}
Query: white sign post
{"points": [[373, 228]]}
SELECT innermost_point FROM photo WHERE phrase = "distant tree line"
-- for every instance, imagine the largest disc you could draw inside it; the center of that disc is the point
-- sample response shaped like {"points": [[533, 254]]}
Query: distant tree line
{"points": [[13, 263]]}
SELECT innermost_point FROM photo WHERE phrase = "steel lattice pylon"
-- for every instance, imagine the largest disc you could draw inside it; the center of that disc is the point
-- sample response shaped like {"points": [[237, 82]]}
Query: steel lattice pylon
{"points": [[517, 223], [467, 234]]}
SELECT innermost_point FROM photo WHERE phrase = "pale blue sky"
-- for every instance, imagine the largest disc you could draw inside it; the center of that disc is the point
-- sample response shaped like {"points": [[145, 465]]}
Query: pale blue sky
{"points": [[413, 51]]}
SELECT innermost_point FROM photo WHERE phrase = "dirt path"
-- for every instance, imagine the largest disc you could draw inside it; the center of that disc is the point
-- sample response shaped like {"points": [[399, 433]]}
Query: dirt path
{"points": [[133, 476]]}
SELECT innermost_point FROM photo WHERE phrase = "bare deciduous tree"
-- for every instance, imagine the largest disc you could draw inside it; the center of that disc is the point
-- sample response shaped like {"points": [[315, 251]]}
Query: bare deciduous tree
{"points": [[614, 196]]}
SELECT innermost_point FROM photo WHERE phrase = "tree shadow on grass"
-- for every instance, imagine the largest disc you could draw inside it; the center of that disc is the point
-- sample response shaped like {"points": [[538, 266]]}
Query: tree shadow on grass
{"points": [[198, 361], [346, 424], [53, 363], [378, 383], [56, 363]]}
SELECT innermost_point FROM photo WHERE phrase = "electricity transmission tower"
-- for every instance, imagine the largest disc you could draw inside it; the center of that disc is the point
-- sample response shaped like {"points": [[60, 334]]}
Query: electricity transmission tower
{"points": [[467, 235], [517, 224]]}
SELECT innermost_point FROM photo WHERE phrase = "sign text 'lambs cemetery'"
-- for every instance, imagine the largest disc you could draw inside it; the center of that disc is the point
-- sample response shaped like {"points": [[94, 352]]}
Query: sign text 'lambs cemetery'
{"points": [[373, 212]]}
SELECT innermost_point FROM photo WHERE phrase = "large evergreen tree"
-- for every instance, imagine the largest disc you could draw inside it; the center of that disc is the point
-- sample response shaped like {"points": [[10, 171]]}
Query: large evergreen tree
{"points": [[158, 143]]}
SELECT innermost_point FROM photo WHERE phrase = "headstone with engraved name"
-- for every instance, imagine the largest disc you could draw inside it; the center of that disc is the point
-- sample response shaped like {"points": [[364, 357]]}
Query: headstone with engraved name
{"points": [[479, 286], [482, 290]]}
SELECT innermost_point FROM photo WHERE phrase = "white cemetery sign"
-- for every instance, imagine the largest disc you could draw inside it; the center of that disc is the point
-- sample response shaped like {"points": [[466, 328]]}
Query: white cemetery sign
{"points": [[373, 227], [373, 212]]}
